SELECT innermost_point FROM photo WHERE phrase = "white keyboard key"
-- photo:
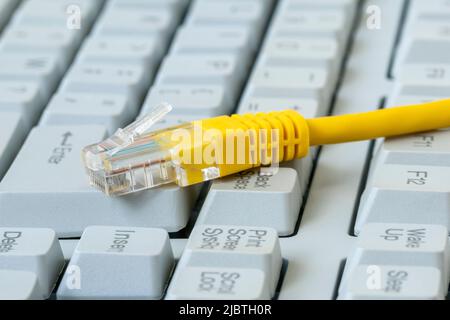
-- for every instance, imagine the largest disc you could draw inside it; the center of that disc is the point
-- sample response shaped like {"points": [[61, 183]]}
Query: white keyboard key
{"points": [[207, 283], [222, 70], [191, 100], [252, 199], [12, 134], [19, 285], [119, 263], [428, 149], [42, 40], [237, 13], [233, 247], [121, 23], [395, 283], [387, 244], [217, 40], [424, 42], [33, 193], [295, 6], [424, 80], [308, 83], [384, 242], [34, 250], [43, 69], [302, 52], [144, 52], [22, 97], [131, 81], [428, 73], [406, 193], [112, 111], [332, 23]]}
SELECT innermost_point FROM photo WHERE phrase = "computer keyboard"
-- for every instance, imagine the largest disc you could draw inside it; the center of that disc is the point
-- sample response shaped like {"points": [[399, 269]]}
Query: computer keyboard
{"points": [[322, 227]]}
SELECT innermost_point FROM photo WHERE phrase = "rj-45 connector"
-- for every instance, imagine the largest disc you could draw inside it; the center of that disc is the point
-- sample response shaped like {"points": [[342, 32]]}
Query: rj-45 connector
{"points": [[135, 158]]}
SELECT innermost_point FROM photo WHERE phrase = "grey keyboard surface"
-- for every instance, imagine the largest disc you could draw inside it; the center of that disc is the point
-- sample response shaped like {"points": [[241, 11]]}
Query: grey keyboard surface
{"points": [[366, 220]]}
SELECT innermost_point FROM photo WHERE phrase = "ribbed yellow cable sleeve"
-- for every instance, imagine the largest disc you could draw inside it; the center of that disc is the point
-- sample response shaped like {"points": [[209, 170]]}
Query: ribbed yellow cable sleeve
{"points": [[292, 131]]}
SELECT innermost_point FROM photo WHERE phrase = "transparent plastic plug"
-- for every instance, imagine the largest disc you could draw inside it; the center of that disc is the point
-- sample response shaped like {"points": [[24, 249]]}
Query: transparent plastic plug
{"points": [[134, 158]]}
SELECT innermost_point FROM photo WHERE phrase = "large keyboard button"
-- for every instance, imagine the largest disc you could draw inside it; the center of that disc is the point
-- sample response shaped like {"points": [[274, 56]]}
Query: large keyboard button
{"points": [[22, 97], [427, 149], [145, 53], [316, 23], [406, 194], [425, 80], [212, 246], [426, 42], [192, 100], [47, 187], [43, 70], [12, 135], [201, 40], [310, 83], [112, 111], [391, 244], [222, 70], [252, 199], [131, 81], [403, 244], [206, 283], [34, 250], [119, 263], [19, 285], [42, 40], [371, 282], [137, 22], [302, 52]]}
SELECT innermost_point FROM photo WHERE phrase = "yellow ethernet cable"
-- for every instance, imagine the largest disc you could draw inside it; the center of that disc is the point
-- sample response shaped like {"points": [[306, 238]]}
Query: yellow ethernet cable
{"points": [[135, 158]]}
